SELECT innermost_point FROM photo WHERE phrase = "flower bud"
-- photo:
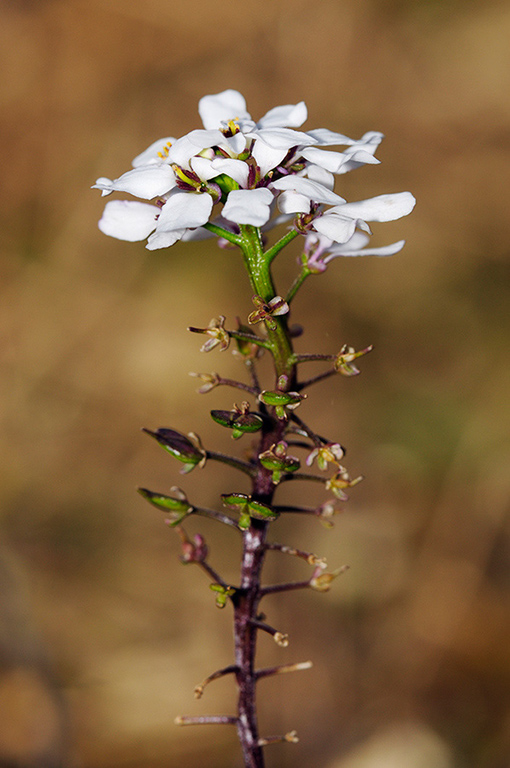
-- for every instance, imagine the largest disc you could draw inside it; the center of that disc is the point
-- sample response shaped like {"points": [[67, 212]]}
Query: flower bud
{"points": [[222, 594], [192, 551], [248, 349]]}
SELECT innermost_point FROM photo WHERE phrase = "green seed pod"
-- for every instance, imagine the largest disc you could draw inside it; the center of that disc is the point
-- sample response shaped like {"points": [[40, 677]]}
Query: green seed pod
{"points": [[278, 398], [180, 446], [177, 508], [261, 511], [238, 422]]}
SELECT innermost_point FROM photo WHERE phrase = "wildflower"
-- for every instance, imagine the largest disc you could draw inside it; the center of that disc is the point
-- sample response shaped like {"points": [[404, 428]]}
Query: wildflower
{"points": [[326, 511]]}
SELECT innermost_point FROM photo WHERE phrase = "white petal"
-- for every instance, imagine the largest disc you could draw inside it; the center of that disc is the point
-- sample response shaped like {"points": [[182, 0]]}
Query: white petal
{"points": [[282, 138], [371, 137], [356, 159], [321, 176], [292, 202], [164, 239], [289, 116], [362, 152], [234, 144], [202, 166], [222, 107], [147, 181], [381, 208], [311, 189], [128, 220], [324, 137], [331, 161], [385, 250], [267, 157], [340, 229], [207, 169], [153, 154], [248, 206], [192, 144], [202, 139], [236, 169], [358, 240], [184, 210]]}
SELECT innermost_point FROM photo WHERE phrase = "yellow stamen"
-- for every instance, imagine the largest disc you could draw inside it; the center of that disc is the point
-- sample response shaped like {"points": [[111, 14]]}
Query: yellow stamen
{"points": [[166, 149]]}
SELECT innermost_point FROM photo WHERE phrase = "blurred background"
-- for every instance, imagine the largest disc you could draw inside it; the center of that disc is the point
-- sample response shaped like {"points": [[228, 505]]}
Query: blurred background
{"points": [[103, 633]]}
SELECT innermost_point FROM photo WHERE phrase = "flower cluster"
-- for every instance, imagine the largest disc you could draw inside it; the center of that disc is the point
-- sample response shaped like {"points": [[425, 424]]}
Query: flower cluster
{"points": [[236, 172]]}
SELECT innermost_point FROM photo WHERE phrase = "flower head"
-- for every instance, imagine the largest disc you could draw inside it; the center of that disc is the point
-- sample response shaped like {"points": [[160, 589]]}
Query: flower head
{"points": [[250, 169]]}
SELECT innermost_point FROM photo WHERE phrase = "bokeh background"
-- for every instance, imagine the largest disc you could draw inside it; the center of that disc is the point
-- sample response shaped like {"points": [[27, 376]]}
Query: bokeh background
{"points": [[103, 633]]}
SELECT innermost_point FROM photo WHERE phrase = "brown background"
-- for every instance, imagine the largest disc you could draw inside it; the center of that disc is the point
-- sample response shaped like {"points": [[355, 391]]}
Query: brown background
{"points": [[103, 634]]}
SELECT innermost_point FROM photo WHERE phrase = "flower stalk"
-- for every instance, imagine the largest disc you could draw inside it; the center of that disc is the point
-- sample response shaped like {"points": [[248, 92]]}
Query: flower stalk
{"points": [[262, 175]]}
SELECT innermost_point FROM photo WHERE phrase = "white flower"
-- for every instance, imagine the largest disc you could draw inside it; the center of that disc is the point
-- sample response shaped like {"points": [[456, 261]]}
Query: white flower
{"points": [[340, 222], [320, 250]]}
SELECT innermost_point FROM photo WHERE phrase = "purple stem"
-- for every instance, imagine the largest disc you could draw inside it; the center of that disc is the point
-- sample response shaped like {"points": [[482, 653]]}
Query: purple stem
{"points": [[246, 600]]}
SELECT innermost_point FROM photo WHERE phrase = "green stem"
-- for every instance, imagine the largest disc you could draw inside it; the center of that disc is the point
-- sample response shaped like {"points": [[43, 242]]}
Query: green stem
{"points": [[282, 242], [259, 271], [296, 285], [225, 233]]}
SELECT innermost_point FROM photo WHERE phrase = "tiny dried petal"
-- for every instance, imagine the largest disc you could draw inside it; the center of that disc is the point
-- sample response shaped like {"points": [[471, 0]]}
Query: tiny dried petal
{"points": [[343, 361], [339, 482], [210, 380], [321, 582], [219, 337], [331, 453]]}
